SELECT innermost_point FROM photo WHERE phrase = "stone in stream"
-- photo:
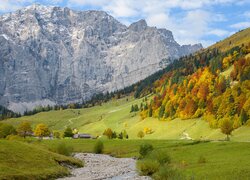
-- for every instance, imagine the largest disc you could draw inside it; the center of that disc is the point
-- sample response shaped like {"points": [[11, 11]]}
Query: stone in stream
{"points": [[99, 166]]}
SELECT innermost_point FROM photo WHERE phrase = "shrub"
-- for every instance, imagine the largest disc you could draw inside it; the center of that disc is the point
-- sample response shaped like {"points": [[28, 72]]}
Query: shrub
{"points": [[148, 167], [56, 134], [145, 149], [6, 129], [98, 148], [166, 173], [64, 149], [140, 134], [13, 137], [202, 159], [159, 155]]}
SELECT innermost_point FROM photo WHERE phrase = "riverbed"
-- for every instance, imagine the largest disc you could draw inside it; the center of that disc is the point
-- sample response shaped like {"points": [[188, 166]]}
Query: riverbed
{"points": [[105, 167]]}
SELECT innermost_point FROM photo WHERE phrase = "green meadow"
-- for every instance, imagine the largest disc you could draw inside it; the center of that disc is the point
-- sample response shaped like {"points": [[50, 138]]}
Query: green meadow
{"points": [[22, 160], [116, 115], [221, 160]]}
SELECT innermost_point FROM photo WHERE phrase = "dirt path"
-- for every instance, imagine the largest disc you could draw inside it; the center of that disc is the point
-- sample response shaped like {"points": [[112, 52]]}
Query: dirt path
{"points": [[99, 166]]}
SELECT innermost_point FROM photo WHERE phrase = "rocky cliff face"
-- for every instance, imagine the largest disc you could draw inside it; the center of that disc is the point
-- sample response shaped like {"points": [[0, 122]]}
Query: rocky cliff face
{"points": [[52, 55]]}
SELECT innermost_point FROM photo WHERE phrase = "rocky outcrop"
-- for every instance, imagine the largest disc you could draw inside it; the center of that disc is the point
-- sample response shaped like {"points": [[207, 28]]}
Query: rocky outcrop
{"points": [[52, 55]]}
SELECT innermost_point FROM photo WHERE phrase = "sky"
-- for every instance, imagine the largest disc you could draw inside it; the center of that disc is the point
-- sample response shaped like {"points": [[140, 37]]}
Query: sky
{"points": [[191, 21]]}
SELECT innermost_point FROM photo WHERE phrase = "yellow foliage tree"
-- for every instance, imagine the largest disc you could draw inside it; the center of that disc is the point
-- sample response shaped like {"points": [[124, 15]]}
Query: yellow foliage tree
{"points": [[147, 130], [226, 126], [41, 131], [226, 61], [24, 129]]}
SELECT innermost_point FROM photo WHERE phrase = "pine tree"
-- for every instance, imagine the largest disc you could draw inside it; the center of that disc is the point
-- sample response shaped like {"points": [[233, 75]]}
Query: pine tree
{"points": [[136, 108], [68, 132], [243, 116], [132, 108]]}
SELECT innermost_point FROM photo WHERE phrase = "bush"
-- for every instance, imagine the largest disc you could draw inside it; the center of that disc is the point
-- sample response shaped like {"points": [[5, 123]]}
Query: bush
{"points": [[98, 148], [140, 134], [159, 155], [13, 137], [6, 129], [202, 159], [166, 173], [145, 149], [148, 167], [64, 149], [68, 132]]}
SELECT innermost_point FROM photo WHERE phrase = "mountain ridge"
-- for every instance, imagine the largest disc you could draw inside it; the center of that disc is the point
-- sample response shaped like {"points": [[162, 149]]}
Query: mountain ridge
{"points": [[53, 55]]}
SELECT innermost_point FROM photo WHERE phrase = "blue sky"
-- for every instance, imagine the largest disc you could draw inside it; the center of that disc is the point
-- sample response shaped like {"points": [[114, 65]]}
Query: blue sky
{"points": [[191, 21]]}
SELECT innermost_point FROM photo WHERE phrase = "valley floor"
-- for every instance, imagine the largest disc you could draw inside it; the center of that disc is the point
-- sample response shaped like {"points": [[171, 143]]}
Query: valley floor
{"points": [[194, 159]]}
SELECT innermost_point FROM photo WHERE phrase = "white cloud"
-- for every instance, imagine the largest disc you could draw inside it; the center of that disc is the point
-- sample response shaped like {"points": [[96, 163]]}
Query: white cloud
{"points": [[12, 5], [241, 25], [219, 32], [160, 20], [121, 8]]}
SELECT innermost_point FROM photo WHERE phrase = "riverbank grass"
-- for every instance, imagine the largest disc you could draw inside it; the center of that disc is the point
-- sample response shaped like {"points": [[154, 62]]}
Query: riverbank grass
{"points": [[21, 160]]}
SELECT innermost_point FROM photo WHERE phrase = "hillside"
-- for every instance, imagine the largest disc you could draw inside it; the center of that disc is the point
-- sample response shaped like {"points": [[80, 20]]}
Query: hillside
{"points": [[237, 39], [116, 115], [20, 160]]}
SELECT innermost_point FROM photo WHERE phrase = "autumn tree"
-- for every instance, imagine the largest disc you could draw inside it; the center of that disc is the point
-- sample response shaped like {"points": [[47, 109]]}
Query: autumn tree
{"points": [[226, 126], [24, 129], [108, 132], [41, 131], [203, 91]]}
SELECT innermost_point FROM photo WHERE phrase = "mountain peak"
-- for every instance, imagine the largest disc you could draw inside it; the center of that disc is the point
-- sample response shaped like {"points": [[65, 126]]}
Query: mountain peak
{"points": [[138, 26], [68, 56]]}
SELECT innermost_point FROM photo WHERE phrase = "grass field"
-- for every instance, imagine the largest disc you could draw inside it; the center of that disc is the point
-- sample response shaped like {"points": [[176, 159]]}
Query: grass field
{"points": [[20, 160], [223, 160], [116, 115], [239, 38]]}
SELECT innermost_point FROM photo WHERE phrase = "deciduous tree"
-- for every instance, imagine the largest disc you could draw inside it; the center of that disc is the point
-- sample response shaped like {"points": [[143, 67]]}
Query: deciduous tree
{"points": [[41, 131], [226, 126], [24, 129]]}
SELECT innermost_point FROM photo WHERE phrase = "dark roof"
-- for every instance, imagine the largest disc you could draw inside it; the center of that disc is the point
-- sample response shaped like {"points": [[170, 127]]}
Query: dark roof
{"points": [[82, 136]]}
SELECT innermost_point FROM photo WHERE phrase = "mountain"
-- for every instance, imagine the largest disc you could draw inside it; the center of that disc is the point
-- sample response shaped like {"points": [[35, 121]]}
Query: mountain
{"points": [[53, 55], [212, 84]]}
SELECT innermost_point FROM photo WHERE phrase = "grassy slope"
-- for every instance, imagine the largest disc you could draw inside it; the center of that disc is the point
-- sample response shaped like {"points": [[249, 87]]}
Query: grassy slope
{"points": [[115, 115], [224, 160], [236, 40], [20, 160]]}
